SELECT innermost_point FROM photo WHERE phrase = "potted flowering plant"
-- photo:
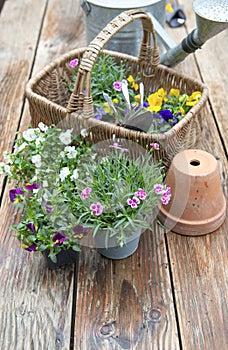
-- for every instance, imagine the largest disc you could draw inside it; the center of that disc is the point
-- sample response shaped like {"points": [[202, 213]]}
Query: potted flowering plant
{"points": [[39, 154], [67, 188], [118, 97]]}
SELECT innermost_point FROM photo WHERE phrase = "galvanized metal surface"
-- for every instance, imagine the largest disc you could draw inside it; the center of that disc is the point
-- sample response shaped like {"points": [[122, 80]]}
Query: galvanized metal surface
{"points": [[128, 39], [214, 10]]}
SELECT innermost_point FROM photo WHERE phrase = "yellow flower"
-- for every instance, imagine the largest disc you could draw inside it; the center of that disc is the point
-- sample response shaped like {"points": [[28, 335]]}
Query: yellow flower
{"points": [[137, 97], [107, 109], [181, 110], [24, 246], [162, 93], [135, 86], [193, 99], [169, 8], [155, 102], [115, 100], [130, 79], [174, 92]]}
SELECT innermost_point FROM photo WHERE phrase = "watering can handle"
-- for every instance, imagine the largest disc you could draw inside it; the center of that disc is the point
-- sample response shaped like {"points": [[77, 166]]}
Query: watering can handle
{"points": [[147, 54]]}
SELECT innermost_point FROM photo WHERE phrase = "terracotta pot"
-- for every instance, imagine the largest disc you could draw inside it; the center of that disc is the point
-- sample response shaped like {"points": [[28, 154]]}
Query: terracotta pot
{"points": [[197, 205]]}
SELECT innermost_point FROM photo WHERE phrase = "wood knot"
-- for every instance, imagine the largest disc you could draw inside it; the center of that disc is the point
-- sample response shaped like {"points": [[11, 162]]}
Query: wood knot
{"points": [[155, 315], [108, 329]]}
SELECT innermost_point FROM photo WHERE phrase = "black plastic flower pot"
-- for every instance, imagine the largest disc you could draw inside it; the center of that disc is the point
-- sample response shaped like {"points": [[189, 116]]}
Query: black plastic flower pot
{"points": [[64, 257]]}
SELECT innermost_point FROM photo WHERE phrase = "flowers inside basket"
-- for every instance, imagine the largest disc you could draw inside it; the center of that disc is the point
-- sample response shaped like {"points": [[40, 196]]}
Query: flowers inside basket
{"points": [[67, 189], [118, 97]]}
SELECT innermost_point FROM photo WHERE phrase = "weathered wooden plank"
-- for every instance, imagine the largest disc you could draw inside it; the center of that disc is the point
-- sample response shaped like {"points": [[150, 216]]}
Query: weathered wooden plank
{"points": [[199, 264], [19, 29], [126, 304], [35, 303], [63, 31]]}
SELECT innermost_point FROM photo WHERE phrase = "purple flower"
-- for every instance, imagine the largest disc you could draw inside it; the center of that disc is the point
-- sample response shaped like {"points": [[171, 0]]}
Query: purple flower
{"points": [[30, 187], [145, 104], [32, 248], [16, 195], [117, 85], [31, 226], [100, 113], [48, 208], [79, 231], [58, 238], [166, 114], [74, 63]]}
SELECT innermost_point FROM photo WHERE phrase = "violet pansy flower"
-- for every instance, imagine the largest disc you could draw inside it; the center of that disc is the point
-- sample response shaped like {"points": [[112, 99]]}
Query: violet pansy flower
{"points": [[15, 193], [30, 187], [58, 238]]}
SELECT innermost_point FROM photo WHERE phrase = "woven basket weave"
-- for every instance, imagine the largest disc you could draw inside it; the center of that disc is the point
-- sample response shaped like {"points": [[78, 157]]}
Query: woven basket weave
{"points": [[51, 103]]}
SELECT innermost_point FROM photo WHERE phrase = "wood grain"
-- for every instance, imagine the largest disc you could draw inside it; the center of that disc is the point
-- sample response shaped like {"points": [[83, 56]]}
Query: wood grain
{"points": [[126, 304], [19, 30], [200, 264], [35, 303]]}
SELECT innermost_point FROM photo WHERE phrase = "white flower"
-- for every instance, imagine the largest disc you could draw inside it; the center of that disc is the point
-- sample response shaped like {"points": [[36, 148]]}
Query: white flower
{"points": [[42, 126], [30, 134], [71, 151], [6, 156], [75, 175], [64, 172], [40, 140], [65, 137], [4, 169], [21, 147], [36, 160], [45, 197], [84, 132], [45, 183]]}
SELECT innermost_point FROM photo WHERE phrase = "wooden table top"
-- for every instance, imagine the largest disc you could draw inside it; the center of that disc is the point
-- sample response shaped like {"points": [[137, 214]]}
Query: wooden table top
{"points": [[172, 292]]}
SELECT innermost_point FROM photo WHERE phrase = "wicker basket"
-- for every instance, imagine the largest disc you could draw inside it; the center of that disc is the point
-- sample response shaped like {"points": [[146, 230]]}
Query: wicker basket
{"points": [[50, 102]]}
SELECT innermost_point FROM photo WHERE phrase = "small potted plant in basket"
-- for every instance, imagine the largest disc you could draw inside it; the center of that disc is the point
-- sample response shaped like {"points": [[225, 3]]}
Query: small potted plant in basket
{"points": [[119, 98], [68, 189]]}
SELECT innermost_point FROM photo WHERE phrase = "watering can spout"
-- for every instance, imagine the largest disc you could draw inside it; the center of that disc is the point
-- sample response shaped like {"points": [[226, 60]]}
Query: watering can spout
{"points": [[211, 19]]}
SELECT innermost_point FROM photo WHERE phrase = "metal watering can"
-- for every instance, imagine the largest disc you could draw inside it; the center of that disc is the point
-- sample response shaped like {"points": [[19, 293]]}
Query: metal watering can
{"points": [[211, 19]]}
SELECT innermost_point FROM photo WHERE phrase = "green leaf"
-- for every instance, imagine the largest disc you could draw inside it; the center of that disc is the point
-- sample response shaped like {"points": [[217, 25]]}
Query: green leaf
{"points": [[76, 248]]}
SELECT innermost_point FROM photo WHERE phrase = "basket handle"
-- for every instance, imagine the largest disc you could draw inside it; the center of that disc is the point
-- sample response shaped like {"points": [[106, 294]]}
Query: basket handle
{"points": [[80, 102]]}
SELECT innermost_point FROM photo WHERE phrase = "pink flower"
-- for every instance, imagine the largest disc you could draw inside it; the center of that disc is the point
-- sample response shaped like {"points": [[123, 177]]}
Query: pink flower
{"points": [[165, 199], [167, 190], [85, 193], [96, 208], [136, 200], [132, 203], [117, 85], [158, 189], [141, 194], [155, 145], [74, 63]]}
